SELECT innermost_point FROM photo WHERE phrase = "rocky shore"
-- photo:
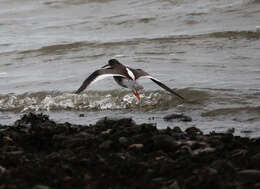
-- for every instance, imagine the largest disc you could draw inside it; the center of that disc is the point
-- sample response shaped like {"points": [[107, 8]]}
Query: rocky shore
{"points": [[37, 153]]}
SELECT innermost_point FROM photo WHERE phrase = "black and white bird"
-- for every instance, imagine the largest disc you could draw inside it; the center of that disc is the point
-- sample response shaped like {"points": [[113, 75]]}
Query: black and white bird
{"points": [[124, 76]]}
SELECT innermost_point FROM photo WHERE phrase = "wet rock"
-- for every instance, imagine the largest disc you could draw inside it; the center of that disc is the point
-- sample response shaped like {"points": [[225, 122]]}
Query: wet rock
{"points": [[180, 117], [223, 166], [174, 185], [81, 115], [249, 175], [136, 146], [255, 160], [203, 150], [257, 185], [15, 153], [106, 144], [2, 170], [107, 132], [165, 142], [39, 153], [123, 141], [41, 187], [193, 131]]}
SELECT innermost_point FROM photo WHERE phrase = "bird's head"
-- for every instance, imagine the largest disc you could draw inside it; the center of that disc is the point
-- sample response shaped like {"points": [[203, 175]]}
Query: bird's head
{"points": [[112, 63]]}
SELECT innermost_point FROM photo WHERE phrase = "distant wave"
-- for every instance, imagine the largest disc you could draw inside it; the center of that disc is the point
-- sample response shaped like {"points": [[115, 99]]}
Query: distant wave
{"points": [[97, 100], [75, 46]]}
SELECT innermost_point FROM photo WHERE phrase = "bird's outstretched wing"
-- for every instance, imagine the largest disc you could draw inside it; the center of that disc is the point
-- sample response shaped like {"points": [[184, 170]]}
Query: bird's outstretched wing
{"points": [[96, 76], [139, 73]]}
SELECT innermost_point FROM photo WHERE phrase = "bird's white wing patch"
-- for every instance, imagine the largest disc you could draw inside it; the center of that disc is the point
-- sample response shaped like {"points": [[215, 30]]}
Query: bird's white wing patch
{"points": [[130, 73], [103, 76]]}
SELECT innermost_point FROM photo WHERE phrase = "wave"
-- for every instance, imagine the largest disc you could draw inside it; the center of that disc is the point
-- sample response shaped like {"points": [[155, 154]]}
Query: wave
{"points": [[241, 114], [97, 100], [56, 3], [64, 48]]}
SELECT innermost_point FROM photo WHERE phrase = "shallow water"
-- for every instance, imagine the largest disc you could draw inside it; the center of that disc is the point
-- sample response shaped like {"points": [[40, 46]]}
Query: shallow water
{"points": [[208, 51]]}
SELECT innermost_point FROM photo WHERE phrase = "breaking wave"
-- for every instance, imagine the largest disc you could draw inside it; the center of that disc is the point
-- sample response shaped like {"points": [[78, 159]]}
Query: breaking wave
{"points": [[95, 100]]}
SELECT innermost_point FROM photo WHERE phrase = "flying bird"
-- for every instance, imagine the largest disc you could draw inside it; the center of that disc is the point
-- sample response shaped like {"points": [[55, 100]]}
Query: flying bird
{"points": [[124, 76]]}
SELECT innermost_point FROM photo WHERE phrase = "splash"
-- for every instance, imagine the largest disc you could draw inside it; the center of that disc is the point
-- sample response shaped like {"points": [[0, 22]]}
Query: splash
{"points": [[91, 100]]}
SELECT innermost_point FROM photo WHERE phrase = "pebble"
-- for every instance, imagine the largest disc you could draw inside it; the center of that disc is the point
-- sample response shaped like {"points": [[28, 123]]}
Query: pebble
{"points": [[165, 142], [41, 152], [2, 170], [249, 175], [41, 187], [255, 160], [136, 146], [106, 144], [180, 117], [123, 140]]}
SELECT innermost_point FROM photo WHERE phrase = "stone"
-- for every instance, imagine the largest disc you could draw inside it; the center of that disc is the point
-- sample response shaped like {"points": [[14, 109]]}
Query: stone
{"points": [[41, 187], [136, 146], [165, 142], [106, 144], [123, 140], [255, 160], [249, 175], [175, 116]]}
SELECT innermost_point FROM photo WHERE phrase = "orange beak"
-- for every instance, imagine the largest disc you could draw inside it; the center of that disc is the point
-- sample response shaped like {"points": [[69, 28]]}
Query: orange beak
{"points": [[137, 95]]}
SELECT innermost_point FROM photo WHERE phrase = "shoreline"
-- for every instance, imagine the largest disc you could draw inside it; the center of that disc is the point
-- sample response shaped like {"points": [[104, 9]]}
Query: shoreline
{"points": [[39, 153]]}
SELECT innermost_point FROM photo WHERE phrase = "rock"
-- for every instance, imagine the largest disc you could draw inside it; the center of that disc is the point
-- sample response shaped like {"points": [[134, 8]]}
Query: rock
{"points": [[136, 146], [165, 142], [106, 132], [15, 153], [223, 166], [2, 170], [257, 185], [38, 153], [255, 160], [249, 175], [203, 150], [180, 117], [123, 140], [193, 131], [177, 130], [174, 185], [41, 187], [81, 115], [239, 153], [106, 144]]}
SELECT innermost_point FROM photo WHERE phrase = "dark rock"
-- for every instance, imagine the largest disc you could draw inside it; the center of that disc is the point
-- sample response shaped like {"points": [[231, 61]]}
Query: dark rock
{"points": [[193, 131], [165, 142], [106, 144], [38, 153], [136, 146], [255, 160], [81, 115], [123, 140], [180, 117], [223, 166], [41, 187], [2, 170], [249, 175], [203, 150]]}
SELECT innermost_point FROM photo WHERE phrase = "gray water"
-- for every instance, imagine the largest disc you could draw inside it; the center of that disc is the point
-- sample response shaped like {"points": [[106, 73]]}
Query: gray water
{"points": [[207, 50]]}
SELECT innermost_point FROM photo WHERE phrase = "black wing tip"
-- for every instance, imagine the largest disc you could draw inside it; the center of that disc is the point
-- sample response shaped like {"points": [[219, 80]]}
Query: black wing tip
{"points": [[78, 91], [167, 89], [176, 94]]}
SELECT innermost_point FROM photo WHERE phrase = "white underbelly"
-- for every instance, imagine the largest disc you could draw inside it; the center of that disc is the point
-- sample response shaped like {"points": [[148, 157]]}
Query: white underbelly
{"points": [[128, 83]]}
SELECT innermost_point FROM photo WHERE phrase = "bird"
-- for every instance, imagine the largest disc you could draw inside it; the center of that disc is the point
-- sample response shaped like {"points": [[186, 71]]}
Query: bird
{"points": [[124, 76]]}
